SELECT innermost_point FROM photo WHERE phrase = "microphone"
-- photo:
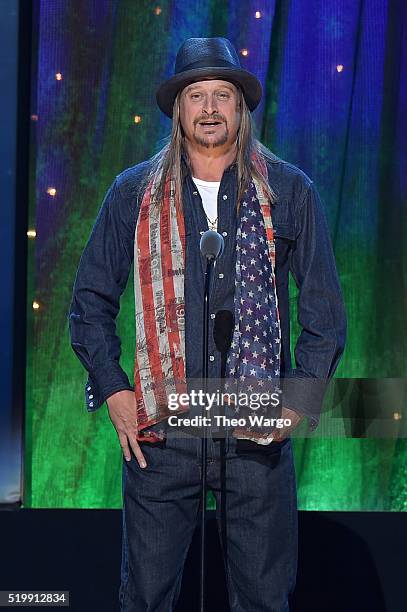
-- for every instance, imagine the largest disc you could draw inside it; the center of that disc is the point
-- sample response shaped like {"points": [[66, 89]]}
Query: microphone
{"points": [[211, 245], [223, 330]]}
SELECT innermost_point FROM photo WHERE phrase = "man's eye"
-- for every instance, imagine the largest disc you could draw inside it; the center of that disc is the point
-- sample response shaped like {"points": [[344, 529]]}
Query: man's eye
{"points": [[195, 96], [223, 94]]}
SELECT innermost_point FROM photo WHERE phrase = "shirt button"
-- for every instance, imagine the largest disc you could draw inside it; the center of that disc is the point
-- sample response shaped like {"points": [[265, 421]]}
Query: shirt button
{"points": [[90, 396], [224, 234], [195, 192], [91, 404], [225, 197], [88, 388], [213, 315], [201, 233], [221, 275], [211, 358]]}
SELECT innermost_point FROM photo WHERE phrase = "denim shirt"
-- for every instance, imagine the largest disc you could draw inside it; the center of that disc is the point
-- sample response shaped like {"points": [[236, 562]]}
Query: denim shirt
{"points": [[303, 247]]}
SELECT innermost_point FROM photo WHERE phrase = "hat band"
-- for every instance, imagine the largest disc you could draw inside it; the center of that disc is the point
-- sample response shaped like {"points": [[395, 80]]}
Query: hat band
{"points": [[204, 64]]}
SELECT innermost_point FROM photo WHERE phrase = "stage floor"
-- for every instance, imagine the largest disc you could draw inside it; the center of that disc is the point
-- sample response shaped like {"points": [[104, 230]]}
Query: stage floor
{"points": [[348, 562]]}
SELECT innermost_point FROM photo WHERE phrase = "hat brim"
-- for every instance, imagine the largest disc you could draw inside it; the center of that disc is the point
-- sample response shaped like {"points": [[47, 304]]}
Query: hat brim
{"points": [[249, 84]]}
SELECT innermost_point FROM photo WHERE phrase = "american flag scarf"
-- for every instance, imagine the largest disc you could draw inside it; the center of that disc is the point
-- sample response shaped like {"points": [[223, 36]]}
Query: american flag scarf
{"points": [[159, 264]]}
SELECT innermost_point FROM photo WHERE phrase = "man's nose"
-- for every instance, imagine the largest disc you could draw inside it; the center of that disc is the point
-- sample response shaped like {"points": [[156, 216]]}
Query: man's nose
{"points": [[210, 105]]}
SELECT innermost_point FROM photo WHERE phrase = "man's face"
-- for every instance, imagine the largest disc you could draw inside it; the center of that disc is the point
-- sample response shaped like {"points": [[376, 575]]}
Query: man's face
{"points": [[210, 113]]}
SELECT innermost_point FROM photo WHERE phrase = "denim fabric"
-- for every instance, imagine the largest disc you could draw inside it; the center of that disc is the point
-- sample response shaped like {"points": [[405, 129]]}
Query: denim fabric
{"points": [[160, 512], [303, 247]]}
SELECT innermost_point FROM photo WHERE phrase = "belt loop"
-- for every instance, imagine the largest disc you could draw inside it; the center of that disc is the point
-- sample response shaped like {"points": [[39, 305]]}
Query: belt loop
{"points": [[227, 446], [197, 441]]}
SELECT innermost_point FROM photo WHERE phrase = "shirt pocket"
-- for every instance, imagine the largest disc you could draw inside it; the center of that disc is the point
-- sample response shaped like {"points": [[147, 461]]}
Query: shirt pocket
{"points": [[284, 232], [284, 238]]}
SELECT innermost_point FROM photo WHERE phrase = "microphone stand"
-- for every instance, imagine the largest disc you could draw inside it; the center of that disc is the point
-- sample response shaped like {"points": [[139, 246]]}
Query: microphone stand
{"points": [[211, 246], [204, 446], [223, 335]]}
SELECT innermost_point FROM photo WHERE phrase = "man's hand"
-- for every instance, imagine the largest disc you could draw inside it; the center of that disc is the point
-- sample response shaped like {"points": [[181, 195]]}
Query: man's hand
{"points": [[285, 432], [276, 435], [123, 414]]}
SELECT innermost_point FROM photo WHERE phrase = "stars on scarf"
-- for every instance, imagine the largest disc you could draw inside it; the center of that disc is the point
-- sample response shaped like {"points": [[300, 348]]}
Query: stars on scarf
{"points": [[256, 337]]}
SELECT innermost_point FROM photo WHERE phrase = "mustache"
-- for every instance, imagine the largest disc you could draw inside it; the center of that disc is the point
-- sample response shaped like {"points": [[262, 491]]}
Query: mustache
{"points": [[216, 117]]}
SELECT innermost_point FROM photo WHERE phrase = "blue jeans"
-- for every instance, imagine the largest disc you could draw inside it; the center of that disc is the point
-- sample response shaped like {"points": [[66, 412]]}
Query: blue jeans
{"points": [[161, 511]]}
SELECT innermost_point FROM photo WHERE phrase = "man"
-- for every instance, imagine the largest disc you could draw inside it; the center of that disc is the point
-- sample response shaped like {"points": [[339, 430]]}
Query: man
{"points": [[211, 174]]}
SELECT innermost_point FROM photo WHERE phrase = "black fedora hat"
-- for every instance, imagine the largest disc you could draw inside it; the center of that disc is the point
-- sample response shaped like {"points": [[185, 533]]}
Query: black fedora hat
{"points": [[199, 58]]}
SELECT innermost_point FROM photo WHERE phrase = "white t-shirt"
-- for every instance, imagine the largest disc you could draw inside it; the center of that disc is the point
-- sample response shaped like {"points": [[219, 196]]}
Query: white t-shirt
{"points": [[208, 191]]}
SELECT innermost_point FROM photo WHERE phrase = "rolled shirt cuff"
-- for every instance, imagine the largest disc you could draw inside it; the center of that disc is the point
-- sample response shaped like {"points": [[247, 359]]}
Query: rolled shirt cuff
{"points": [[304, 395], [104, 381]]}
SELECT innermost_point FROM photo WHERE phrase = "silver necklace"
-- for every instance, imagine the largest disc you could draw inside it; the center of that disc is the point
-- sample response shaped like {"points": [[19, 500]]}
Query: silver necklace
{"points": [[212, 224]]}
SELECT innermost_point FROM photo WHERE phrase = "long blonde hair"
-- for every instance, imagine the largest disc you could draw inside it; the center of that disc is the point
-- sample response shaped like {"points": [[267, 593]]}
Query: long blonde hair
{"points": [[168, 161]]}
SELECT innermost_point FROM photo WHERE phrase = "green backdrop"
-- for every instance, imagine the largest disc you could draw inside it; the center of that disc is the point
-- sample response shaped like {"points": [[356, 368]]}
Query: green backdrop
{"points": [[334, 90]]}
